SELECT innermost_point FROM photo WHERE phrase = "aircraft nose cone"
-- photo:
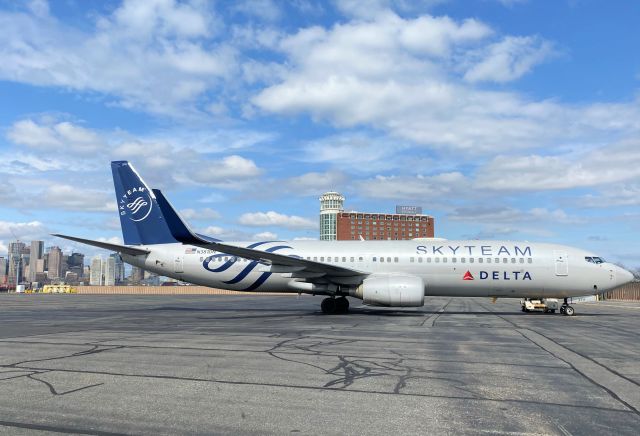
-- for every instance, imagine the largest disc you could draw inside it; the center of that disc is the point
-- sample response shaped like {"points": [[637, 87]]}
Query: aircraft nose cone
{"points": [[624, 276]]}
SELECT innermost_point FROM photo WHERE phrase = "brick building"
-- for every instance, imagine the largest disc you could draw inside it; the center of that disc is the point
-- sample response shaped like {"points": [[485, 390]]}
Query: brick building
{"points": [[382, 226]]}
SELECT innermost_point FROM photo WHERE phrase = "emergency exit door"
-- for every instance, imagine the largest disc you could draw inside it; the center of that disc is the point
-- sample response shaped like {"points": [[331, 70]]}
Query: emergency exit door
{"points": [[562, 263]]}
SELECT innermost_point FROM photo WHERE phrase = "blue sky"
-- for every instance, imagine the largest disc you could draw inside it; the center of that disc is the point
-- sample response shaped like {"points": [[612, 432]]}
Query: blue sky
{"points": [[505, 119]]}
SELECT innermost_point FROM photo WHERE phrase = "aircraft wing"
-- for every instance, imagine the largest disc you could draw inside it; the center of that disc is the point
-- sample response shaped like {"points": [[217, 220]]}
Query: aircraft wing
{"points": [[279, 262], [106, 245]]}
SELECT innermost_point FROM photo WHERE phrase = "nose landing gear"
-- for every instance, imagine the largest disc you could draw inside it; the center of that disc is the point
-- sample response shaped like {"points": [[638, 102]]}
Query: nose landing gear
{"points": [[332, 305], [565, 309]]}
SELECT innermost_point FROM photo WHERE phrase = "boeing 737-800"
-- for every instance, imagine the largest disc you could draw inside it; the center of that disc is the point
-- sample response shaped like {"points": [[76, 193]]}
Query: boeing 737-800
{"points": [[381, 273]]}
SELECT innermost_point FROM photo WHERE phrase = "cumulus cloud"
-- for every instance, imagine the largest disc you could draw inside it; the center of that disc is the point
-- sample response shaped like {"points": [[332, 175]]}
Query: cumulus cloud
{"points": [[271, 218], [264, 236], [55, 136], [157, 54], [492, 215]]}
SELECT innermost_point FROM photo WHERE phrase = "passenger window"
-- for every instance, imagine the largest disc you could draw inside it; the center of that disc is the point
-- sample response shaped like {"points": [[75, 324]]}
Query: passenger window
{"points": [[529, 260], [480, 260], [419, 260], [454, 260], [395, 259], [344, 259], [382, 259], [360, 259], [497, 260], [389, 259], [428, 260], [463, 260], [437, 260], [513, 260], [352, 259], [522, 260], [488, 260], [505, 260], [374, 258], [471, 260], [335, 259], [411, 259], [315, 258], [322, 259], [444, 260]]}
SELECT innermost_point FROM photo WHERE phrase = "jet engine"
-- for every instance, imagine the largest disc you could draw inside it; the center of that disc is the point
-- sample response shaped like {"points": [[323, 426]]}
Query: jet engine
{"points": [[393, 290]]}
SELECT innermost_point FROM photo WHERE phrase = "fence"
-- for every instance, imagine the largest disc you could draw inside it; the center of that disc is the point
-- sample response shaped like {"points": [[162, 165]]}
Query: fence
{"points": [[157, 290], [628, 292]]}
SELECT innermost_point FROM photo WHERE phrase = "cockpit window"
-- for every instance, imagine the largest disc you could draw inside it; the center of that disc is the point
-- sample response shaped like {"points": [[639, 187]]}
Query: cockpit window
{"points": [[594, 259]]}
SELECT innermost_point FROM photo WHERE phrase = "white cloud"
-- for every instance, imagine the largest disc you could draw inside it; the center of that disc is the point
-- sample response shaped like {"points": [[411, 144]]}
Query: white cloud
{"points": [[266, 10], [24, 231], [55, 136], [603, 165], [419, 188], [509, 59], [200, 214], [226, 170], [511, 215], [272, 218], [77, 198], [157, 55], [264, 236], [314, 183]]}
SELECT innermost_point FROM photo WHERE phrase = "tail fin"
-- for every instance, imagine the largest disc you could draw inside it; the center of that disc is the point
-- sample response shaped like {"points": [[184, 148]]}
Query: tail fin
{"points": [[140, 216]]}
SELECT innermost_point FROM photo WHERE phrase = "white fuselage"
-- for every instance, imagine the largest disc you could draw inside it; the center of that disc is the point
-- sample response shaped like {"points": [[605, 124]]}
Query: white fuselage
{"points": [[447, 268]]}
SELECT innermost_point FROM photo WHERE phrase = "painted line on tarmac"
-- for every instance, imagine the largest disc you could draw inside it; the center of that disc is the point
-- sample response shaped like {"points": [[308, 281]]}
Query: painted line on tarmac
{"points": [[618, 387]]}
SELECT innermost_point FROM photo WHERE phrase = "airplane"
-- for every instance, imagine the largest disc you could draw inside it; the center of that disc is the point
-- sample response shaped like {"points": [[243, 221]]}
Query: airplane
{"points": [[387, 273]]}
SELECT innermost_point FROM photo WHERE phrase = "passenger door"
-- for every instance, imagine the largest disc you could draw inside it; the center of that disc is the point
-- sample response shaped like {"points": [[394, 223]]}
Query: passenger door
{"points": [[178, 265]]}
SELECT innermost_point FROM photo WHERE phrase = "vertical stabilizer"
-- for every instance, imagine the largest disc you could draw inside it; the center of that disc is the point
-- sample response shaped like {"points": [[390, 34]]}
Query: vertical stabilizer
{"points": [[140, 216]]}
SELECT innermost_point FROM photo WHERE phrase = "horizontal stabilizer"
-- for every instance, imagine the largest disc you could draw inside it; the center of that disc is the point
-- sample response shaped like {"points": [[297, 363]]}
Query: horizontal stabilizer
{"points": [[133, 251]]}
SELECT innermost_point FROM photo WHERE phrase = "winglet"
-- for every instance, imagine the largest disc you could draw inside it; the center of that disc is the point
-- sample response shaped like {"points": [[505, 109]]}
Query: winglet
{"points": [[178, 228]]}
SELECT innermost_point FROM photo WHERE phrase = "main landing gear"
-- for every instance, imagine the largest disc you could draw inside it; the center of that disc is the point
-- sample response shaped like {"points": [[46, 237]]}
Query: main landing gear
{"points": [[565, 309], [332, 305]]}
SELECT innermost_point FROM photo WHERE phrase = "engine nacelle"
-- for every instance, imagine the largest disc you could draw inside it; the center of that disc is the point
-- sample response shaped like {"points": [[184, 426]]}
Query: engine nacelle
{"points": [[393, 290]]}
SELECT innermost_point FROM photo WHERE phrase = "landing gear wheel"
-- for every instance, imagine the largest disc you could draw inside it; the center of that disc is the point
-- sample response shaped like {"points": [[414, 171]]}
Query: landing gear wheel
{"points": [[342, 305], [328, 305], [569, 311], [562, 308]]}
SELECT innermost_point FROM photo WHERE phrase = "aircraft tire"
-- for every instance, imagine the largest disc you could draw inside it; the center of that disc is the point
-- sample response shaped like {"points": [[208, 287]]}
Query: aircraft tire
{"points": [[342, 305], [569, 311], [562, 309], [329, 306]]}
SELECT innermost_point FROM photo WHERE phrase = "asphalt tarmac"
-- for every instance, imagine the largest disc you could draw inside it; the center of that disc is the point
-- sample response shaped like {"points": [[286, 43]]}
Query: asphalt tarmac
{"points": [[257, 364]]}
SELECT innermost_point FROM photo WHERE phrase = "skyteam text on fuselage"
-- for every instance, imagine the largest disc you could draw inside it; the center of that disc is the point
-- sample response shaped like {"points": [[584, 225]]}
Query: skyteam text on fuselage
{"points": [[381, 273]]}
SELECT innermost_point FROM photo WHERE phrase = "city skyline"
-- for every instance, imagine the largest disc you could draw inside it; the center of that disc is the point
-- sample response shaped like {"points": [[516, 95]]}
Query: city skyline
{"points": [[502, 119]]}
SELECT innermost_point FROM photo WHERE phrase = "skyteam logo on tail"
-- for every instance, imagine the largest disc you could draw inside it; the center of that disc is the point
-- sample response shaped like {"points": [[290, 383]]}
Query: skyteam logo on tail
{"points": [[136, 204]]}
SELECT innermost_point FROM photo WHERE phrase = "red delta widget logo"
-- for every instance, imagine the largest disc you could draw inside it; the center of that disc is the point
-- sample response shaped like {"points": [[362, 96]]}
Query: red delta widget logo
{"points": [[498, 275]]}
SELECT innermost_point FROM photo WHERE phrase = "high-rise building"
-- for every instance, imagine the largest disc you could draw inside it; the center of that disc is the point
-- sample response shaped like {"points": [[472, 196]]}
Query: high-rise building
{"points": [[119, 268], [75, 264], [109, 271], [137, 275], [331, 204], [95, 276], [36, 253], [3, 270], [55, 263], [15, 270]]}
